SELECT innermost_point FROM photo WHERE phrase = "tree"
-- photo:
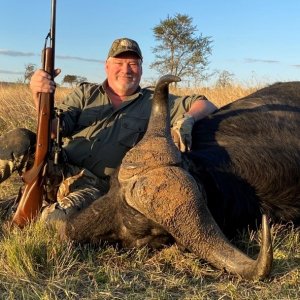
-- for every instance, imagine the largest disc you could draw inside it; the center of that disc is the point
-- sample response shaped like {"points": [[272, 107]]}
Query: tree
{"points": [[73, 79], [225, 79], [180, 51], [69, 79], [29, 70]]}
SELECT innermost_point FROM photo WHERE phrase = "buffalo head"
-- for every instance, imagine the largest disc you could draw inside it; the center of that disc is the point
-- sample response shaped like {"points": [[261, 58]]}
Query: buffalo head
{"points": [[155, 184]]}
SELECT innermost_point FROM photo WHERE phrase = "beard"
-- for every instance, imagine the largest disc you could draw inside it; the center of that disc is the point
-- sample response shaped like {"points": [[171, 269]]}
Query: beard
{"points": [[126, 85]]}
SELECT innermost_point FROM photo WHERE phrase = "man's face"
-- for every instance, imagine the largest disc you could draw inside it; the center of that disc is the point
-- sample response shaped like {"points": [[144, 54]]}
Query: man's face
{"points": [[124, 73]]}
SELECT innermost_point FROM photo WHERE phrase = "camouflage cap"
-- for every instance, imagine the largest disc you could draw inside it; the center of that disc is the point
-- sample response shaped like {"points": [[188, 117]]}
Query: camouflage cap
{"points": [[124, 45]]}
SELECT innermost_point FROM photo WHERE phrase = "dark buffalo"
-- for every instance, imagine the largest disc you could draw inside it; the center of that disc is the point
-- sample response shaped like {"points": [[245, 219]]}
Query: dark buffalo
{"points": [[245, 162], [247, 156]]}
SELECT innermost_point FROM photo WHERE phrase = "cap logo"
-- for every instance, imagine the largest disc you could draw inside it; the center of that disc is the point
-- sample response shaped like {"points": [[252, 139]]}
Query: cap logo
{"points": [[125, 43]]}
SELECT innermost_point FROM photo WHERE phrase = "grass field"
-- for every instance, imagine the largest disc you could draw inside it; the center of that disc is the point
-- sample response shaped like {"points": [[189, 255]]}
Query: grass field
{"points": [[34, 264]]}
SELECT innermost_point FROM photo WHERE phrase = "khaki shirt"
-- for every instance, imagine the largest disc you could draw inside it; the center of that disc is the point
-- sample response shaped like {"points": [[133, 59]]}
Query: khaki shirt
{"points": [[98, 136]]}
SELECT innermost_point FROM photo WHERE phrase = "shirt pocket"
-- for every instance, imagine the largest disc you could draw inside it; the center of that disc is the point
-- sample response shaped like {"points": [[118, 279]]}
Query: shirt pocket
{"points": [[87, 121], [132, 130]]}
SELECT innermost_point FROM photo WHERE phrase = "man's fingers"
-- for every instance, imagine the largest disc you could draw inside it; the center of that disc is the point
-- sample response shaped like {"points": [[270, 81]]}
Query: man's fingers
{"points": [[57, 72], [183, 128], [177, 139], [41, 82]]}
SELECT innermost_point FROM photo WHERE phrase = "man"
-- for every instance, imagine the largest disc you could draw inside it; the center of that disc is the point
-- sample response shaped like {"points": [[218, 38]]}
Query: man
{"points": [[102, 122]]}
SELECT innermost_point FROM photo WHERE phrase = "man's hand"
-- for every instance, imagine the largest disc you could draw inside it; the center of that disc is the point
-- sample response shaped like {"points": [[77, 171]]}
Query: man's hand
{"points": [[41, 83], [182, 132]]}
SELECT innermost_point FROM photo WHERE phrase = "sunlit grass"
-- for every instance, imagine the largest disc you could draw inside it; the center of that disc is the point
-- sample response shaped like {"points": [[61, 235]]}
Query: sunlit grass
{"points": [[34, 264]]}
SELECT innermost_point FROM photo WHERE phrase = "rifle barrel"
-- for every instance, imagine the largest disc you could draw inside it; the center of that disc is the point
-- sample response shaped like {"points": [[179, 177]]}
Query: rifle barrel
{"points": [[52, 32]]}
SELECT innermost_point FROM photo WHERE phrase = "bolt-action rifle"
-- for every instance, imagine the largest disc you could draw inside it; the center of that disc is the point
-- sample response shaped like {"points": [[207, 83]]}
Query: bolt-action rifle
{"points": [[46, 148]]}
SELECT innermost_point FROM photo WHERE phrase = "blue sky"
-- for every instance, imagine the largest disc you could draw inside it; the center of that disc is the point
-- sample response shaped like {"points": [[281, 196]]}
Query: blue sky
{"points": [[256, 40]]}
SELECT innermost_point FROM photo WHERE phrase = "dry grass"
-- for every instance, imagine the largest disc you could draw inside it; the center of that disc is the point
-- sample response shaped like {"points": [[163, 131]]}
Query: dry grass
{"points": [[17, 108], [34, 264], [220, 96]]}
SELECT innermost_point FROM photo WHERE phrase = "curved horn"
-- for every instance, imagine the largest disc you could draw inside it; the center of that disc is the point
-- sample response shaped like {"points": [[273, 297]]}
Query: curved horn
{"points": [[157, 147], [157, 187], [170, 197], [234, 261], [159, 122]]}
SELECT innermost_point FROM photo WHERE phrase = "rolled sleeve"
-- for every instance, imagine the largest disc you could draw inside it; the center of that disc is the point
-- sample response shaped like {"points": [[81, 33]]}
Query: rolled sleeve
{"points": [[180, 105]]}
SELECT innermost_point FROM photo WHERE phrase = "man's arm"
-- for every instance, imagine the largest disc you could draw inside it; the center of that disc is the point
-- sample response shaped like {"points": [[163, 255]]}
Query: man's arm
{"points": [[201, 108], [182, 129]]}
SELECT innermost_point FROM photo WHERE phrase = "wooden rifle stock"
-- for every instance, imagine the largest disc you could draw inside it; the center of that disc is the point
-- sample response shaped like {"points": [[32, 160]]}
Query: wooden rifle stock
{"points": [[32, 197], [33, 194]]}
